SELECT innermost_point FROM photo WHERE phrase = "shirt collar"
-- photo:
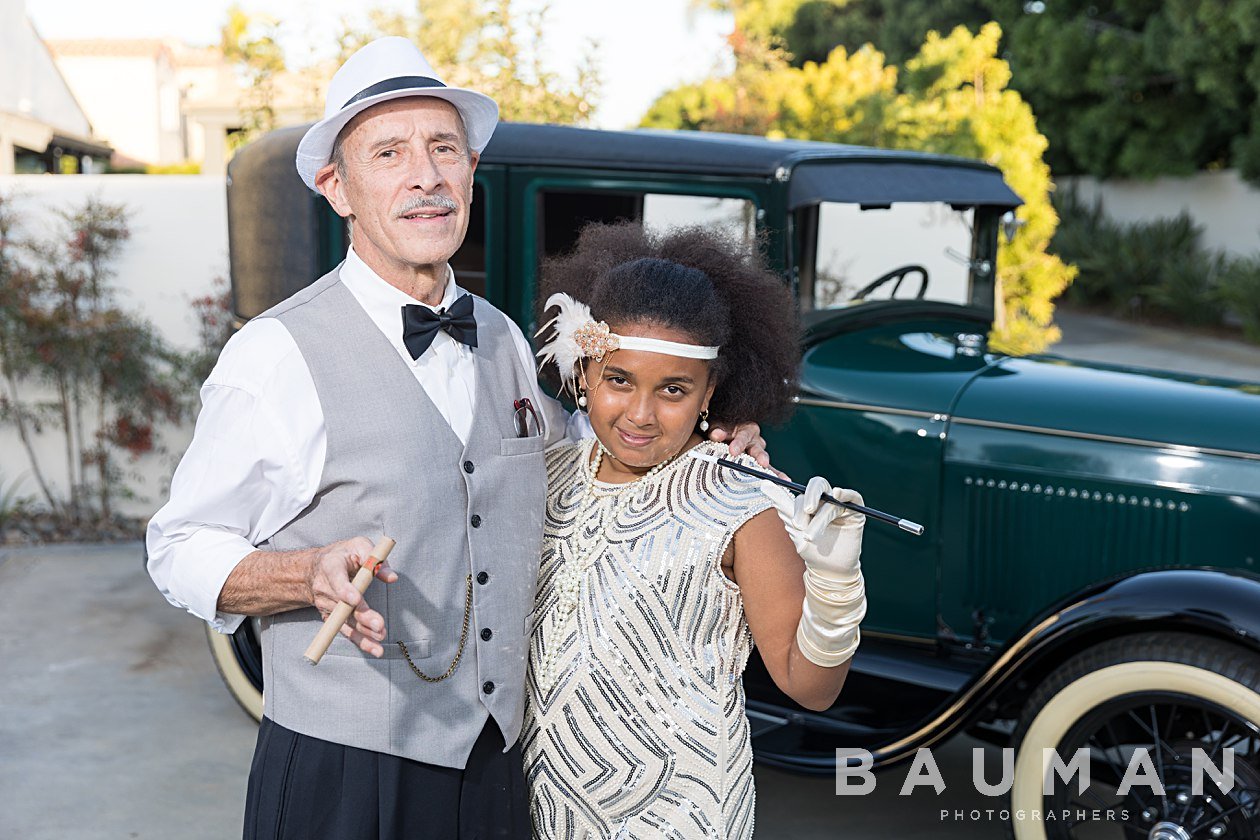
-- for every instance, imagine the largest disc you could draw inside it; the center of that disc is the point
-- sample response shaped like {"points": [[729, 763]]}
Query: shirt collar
{"points": [[372, 291], [383, 302]]}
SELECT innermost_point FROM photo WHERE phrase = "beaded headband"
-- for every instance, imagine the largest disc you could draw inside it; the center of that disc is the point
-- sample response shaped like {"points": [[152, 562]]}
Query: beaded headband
{"points": [[579, 336]]}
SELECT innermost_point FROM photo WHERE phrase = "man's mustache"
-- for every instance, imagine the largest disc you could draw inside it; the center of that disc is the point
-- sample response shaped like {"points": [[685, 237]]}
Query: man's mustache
{"points": [[427, 202]]}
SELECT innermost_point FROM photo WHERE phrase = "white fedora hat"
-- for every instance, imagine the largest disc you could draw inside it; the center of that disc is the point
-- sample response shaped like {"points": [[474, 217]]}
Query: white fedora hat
{"points": [[387, 68]]}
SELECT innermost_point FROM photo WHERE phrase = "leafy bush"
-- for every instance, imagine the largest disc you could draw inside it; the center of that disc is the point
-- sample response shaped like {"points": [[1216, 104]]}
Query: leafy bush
{"points": [[73, 361], [1158, 268], [1190, 288], [1240, 289], [11, 504], [185, 168]]}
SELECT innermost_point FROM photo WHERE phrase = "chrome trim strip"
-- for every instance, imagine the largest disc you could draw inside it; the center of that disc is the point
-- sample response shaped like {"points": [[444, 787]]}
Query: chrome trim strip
{"points": [[918, 738], [1017, 427], [879, 409], [778, 720], [898, 637], [1177, 447]]}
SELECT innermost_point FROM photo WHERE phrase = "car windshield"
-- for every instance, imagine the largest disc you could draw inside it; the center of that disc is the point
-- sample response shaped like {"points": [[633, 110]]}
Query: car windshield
{"points": [[905, 251]]}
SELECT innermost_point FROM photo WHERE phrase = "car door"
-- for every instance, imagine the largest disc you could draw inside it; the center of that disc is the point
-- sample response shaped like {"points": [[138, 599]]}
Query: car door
{"points": [[874, 397]]}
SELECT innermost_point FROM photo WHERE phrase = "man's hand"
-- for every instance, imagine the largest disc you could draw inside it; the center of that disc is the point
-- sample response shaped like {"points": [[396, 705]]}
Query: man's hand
{"points": [[745, 439], [331, 570]]}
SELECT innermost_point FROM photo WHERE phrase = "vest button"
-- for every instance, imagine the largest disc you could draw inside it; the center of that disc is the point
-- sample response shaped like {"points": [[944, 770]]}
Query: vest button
{"points": [[487, 687], [468, 466], [475, 521], [483, 578], [486, 634]]}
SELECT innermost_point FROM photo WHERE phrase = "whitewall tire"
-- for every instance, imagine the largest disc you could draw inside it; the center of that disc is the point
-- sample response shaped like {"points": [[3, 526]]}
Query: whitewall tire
{"points": [[241, 675], [1195, 693]]}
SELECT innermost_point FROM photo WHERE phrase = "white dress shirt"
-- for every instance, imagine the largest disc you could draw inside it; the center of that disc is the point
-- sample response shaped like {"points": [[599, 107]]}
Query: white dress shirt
{"points": [[257, 453]]}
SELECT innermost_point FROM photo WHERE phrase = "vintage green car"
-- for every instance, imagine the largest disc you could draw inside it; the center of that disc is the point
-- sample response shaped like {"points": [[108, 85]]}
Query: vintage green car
{"points": [[1088, 574]]}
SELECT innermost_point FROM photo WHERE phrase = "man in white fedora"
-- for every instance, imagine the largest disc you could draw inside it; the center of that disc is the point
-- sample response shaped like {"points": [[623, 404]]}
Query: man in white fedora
{"points": [[346, 413]]}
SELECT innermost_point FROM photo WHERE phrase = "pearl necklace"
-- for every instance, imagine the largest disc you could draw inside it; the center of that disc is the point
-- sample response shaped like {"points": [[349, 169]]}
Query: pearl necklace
{"points": [[588, 542]]}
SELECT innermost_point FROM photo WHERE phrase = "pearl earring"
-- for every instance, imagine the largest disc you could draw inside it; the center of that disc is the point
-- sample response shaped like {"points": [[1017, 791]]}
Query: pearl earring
{"points": [[581, 400], [704, 420]]}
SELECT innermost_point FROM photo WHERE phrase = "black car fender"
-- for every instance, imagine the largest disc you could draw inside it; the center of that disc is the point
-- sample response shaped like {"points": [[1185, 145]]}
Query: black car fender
{"points": [[1219, 604]]}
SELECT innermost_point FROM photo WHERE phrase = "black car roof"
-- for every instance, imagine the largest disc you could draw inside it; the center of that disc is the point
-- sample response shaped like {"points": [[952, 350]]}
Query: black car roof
{"points": [[814, 171], [873, 175], [690, 151]]}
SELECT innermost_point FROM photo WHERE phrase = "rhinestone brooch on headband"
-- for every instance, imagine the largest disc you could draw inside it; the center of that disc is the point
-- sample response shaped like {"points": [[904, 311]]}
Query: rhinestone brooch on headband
{"points": [[596, 340]]}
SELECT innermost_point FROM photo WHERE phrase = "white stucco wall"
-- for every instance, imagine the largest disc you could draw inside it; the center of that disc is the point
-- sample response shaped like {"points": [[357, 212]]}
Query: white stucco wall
{"points": [[1225, 206], [178, 247], [122, 96]]}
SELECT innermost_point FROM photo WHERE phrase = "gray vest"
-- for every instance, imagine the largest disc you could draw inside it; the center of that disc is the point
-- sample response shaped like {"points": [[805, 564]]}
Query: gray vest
{"points": [[457, 512]]}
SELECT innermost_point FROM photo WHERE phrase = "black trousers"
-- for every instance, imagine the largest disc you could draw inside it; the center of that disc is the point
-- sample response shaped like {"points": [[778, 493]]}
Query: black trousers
{"points": [[303, 788]]}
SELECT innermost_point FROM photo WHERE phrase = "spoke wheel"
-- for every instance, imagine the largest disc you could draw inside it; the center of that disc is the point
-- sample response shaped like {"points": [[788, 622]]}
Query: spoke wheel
{"points": [[1168, 694]]}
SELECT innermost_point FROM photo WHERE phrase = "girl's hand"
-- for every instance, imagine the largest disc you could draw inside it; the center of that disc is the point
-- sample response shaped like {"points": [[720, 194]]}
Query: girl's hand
{"points": [[828, 537]]}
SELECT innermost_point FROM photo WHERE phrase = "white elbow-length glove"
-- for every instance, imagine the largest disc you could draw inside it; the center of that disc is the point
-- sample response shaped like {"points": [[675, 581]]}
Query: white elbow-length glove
{"points": [[829, 540]]}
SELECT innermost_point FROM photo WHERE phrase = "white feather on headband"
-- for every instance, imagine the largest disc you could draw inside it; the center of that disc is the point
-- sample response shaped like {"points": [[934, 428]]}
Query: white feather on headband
{"points": [[563, 348]]}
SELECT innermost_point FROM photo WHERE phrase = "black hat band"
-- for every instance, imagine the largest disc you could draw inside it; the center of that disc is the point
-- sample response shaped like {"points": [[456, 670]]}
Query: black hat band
{"points": [[396, 83]]}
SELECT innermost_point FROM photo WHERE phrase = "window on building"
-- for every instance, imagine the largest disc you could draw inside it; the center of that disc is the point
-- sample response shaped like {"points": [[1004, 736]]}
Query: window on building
{"points": [[28, 162]]}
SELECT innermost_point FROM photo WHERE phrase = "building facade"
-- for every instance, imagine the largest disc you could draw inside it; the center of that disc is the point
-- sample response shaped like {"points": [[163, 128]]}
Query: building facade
{"points": [[159, 102], [43, 127]]}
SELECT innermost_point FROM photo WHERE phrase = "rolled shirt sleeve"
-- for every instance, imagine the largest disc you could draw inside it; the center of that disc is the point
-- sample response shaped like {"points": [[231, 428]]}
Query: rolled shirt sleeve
{"points": [[253, 465]]}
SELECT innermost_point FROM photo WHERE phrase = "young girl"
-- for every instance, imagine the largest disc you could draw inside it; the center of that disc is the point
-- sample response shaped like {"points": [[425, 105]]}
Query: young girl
{"points": [[660, 570]]}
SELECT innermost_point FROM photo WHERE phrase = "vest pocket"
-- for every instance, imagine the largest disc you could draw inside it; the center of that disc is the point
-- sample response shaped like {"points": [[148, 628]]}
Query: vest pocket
{"points": [[416, 648], [522, 445]]}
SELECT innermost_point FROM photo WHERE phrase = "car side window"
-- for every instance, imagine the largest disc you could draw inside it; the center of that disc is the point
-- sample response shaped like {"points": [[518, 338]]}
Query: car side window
{"points": [[564, 214], [736, 216], [469, 261]]}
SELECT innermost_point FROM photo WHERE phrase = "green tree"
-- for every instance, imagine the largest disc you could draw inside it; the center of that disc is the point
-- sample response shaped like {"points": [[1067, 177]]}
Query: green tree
{"points": [[1142, 88], [808, 30], [746, 102], [953, 97], [251, 42], [759, 20], [487, 45], [1132, 89], [957, 99]]}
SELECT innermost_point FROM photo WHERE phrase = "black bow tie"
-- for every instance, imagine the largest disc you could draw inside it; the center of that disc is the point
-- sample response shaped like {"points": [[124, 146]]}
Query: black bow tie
{"points": [[420, 325]]}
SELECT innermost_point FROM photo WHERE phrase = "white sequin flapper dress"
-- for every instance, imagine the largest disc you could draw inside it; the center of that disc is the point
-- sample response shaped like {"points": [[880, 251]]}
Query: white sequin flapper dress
{"points": [[634, 712]]}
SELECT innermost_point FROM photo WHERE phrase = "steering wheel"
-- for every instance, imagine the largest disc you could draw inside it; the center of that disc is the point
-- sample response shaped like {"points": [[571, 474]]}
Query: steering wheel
{"points": [[897, 274]]}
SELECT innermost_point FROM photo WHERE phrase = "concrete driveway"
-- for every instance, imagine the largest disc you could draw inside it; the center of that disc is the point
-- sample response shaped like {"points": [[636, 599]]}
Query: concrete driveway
{"points": [[1098, 338], [115, 724]]}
